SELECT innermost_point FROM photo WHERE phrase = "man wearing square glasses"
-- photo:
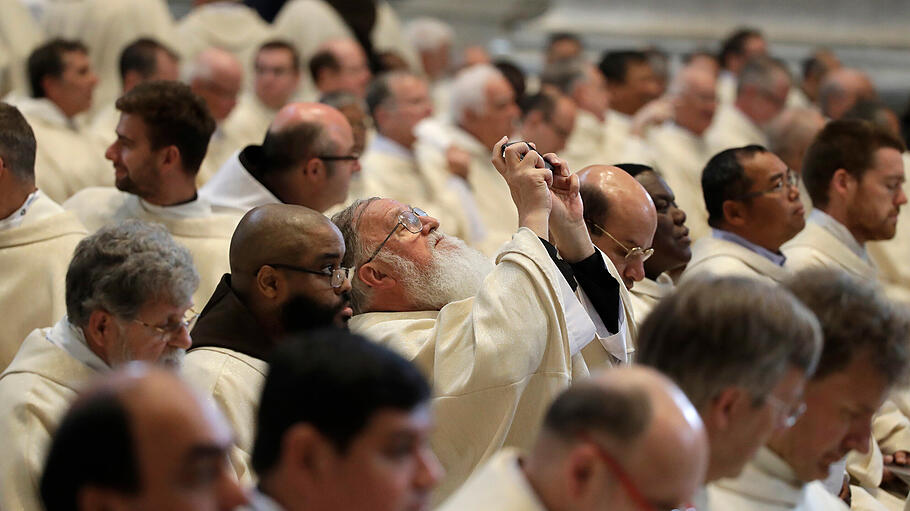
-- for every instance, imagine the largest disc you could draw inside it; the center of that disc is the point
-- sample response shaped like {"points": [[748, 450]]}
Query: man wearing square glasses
{"points": [[498, 342], [753, 205], [129, 292], [286, 276]]}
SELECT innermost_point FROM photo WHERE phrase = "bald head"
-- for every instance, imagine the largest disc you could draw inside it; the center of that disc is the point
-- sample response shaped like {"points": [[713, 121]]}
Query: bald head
{"points": [[295, 114], [841, 89], [694, 93], [791, 133], [616, 202], [640, 419], [341, 65], [217, 76]]}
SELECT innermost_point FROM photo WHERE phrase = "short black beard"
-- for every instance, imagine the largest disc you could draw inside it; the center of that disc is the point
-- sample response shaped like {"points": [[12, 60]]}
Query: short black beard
{"points": [[301, 313]]}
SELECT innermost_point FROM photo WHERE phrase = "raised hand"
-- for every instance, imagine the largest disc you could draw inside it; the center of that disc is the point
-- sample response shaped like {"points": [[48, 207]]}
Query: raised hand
{"points": [[567, 225], [529, 183]]}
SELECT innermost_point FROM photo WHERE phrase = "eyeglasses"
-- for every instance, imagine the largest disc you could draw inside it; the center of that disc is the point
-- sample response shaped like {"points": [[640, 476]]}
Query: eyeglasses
{"points": [[189, 321], [409, 219], [338, 275], [790, 413], [643, 253], [789, 179], [329, 157]]}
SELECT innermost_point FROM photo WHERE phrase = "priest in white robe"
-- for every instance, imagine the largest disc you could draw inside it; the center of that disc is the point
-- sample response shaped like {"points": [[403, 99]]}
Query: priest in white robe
{"points": [[129, 288], [753, 204], [584, 84], [37, 240], [761, 94], [663, 469], [736, 50], [632, 84], [161, 137], [497, 343], [19, 35]]}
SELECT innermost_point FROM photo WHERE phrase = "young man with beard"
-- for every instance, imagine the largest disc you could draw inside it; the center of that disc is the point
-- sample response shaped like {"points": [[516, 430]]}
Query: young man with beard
{"points": [[498, 342], [285, 276], [129, 295]]}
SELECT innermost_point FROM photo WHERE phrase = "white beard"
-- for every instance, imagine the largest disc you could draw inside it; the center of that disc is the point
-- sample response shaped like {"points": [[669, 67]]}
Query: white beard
{"points": [[456, 272]]}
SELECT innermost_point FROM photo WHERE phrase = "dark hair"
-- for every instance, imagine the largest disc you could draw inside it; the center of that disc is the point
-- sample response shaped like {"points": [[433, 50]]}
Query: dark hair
{"points": [[514, 75], [856, 317], [597, 205], [847, 144], [92, 447], [615, 64], [724, 178], [380, 90], [623, 414], [556, 37], [323, 60], [173, 116], [283, 150], [141, 56], [735, 43], [17, 143], [542, 102], [336, 382], [280, 44], [871, 110], [714, 333], [47, 60], [634, 169]]}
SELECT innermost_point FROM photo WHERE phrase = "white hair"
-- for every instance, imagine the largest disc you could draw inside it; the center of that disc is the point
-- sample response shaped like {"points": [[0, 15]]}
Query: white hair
{"points": [[469, 89], [429, 33]]}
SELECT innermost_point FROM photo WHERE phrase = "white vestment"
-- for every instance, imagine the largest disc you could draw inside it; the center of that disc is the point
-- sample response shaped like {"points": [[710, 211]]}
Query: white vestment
{"points": [[500, 484], [249, 121], [19, 35], [767, 483], [719, 257], [228, 25], [731, 128], [495, 361], [610, 349], [34, 257], [35, 391], [222, 145], [726, 87], [679, 156], [587, 144], [618, 126], [822, 244], [891, 256], [234, 190], [206, 235], [646, 294], [107, 27], [69, 156], [309, 23]]}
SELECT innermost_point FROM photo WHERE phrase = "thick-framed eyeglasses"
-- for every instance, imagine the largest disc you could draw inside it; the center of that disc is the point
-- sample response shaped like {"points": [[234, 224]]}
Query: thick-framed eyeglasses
{"points": [[188, 322], [631, 253], [790, 179], [790, 414], [339, 157], [338, 275], [409, 219]]}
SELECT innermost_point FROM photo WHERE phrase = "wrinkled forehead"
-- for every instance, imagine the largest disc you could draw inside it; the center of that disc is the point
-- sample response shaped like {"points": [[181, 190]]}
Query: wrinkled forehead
{"points": [[378, 216]]}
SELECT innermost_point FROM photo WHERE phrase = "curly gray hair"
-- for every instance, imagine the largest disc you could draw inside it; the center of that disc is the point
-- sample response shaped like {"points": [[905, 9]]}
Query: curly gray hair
{"points": [[122, 267]]}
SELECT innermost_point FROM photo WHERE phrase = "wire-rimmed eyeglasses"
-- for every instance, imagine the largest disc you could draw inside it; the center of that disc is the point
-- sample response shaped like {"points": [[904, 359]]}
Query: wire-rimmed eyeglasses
{"points": [[409, 219]]}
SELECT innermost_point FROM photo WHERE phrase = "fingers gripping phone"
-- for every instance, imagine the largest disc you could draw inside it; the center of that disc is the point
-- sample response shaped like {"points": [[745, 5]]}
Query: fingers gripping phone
{"points": [[545, 162]]}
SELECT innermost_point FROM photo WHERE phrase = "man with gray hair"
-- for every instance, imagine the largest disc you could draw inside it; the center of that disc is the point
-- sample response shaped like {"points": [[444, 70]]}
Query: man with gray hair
{"points": [[627, 439], [741, 350], [761, 94], [841, 89], [129, 295], [865, 355], [433, 39]]}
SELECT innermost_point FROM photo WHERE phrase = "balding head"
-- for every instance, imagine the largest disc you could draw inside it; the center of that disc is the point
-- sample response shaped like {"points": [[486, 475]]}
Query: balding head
{"points": [[791, 133], [694, 93], [841, 89], [283, 256], [637, 418], [126, 439], [217, 76], [341, 65], [617, 204]]}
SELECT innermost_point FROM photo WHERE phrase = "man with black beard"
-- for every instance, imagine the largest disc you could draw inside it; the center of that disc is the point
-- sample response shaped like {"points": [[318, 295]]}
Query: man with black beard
{"points": [[285, 276]]}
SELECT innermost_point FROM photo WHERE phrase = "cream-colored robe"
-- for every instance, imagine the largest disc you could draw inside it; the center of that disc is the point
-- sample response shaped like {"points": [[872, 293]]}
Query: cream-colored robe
{"points": [[222, 145], [646, 294], [35, 391], [34, 258], [500, 484], [233, 190], [609, 350], [234, 380], [679, 156], [107, 27], [814, 247], [718, 257], [587, 144], [495, 361], [731, 128], [397, 175], [726, 87], [207, 236], [767, 483], [249, 121], [309, 23], [618, 126], [891, 256], [19, 35], [69, 156], [228, 25]]}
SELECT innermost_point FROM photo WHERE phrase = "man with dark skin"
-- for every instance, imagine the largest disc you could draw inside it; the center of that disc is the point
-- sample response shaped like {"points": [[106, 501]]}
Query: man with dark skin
{"points": [[285, 277]]}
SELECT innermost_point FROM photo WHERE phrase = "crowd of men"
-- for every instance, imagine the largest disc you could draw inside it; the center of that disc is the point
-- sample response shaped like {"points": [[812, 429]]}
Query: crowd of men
{"points": [[308, 258]]}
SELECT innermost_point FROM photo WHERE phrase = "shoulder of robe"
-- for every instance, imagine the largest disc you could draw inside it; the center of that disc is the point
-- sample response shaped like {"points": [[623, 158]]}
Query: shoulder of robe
{"points": [[59, 226]]}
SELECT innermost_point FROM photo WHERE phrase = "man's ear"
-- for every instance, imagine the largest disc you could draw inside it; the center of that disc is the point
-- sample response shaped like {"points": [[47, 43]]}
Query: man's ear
{"points": [[314, 169], [49, 83], [169, 159], [842, 183], [307, 455], [734, 212], [582, 467], [269, 282], [93, 498], [374, 277], [101, 326], [725, 405]]}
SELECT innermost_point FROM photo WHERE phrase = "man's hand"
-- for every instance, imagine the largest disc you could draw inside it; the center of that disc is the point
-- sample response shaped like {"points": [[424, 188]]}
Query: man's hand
{"points": [[567, 223], [653, 113], [529, 183], [458, 161]]}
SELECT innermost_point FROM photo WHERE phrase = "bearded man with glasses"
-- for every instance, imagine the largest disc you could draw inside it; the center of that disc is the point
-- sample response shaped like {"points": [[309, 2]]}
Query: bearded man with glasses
{"points": [[753, 205], [129, 296], [286, 276]]}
